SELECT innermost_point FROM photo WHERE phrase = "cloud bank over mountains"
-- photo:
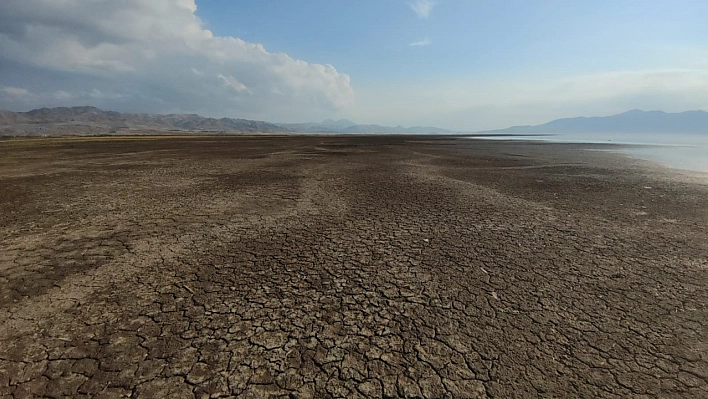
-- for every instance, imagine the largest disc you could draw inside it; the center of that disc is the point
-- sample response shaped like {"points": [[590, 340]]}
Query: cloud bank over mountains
{"points": [[152, 56]]}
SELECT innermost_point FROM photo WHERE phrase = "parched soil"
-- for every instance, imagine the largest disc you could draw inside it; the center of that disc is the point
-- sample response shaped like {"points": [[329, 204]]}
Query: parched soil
{"points": [[347, 267]]}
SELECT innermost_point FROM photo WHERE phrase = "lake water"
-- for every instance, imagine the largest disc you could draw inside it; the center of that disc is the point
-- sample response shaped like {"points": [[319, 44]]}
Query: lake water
{"points": [[681, 151]]}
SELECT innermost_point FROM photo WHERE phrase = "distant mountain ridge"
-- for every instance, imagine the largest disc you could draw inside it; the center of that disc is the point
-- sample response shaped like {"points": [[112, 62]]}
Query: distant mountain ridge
{"points": [[397, 129], [342, 123], [347, 126], [87, 120], [634, 121], [116, 120]]}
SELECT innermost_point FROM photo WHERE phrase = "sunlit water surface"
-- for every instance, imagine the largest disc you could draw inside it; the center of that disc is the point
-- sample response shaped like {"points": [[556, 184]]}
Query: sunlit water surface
{"points": [[681, 151]]}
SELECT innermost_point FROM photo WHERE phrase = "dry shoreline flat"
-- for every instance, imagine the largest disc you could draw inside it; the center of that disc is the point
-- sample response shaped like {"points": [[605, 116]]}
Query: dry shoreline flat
{"points": [[351, 266]]}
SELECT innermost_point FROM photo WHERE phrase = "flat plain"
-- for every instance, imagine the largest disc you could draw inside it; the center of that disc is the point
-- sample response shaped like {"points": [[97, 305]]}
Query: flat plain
{"points": [[357, 266]]}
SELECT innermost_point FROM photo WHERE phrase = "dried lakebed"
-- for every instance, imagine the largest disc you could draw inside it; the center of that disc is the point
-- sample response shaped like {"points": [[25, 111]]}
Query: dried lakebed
{"points": [[428, 267]]}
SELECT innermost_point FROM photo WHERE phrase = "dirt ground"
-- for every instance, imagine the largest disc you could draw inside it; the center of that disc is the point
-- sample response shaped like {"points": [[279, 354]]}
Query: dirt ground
{"points": [[348, 267]]}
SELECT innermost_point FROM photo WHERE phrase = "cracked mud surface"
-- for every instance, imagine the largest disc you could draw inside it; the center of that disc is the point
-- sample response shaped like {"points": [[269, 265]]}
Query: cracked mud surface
{"points": [[347, 267]]}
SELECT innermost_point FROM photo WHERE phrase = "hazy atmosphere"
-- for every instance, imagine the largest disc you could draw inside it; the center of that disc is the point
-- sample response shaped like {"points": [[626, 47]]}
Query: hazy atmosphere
{"points": [[464, 65]]}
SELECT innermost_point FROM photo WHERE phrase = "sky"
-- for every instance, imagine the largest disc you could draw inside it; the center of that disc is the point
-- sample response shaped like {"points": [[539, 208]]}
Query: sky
{"points": [[460, 64]]}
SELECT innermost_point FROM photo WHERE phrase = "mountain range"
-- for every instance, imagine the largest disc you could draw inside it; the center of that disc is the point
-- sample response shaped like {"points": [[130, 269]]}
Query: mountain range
{"points": [[112, 122], [92, 121], [635, 121], [347, 126], [88, 120]]}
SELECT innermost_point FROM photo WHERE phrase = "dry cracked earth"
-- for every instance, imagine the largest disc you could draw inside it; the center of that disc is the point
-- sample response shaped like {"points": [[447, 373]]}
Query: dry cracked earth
{"points": [[344, 267]]}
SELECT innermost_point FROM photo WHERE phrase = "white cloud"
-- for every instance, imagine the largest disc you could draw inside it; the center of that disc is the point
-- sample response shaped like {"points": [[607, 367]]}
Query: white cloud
{"points": [[158, 54], [62, 95], [16, 96], [15, 92], [98, 94], [231, 82], [422, 7], [425, 42]]}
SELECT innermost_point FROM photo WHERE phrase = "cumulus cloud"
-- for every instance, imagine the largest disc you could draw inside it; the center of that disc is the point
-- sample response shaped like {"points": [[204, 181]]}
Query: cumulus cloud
{"points": [[158, 55], [425, 42], [422, 7]]}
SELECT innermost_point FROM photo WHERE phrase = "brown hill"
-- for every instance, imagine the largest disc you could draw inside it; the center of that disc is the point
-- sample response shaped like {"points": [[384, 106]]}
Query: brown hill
{"points": [[91, 120]]}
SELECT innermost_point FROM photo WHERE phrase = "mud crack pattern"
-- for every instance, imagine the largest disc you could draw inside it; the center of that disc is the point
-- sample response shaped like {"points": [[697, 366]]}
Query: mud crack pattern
{"points": [[347, 267]]}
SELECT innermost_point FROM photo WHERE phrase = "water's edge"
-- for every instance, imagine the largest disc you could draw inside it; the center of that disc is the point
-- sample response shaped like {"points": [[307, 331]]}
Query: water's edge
{"points": [[679, 151]]}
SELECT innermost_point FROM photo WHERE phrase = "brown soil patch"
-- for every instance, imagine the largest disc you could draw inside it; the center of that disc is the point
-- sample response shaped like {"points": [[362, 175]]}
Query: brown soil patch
{"points": [[347, 267]]}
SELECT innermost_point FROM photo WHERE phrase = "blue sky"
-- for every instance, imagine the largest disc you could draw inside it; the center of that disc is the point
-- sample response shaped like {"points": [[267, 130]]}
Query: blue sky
{"points": [[465, 65], [370, 39]]}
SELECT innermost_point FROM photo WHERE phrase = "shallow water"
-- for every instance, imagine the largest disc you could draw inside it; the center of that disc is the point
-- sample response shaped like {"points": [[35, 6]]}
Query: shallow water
{"points": [[681, 157], [681, 151]]}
